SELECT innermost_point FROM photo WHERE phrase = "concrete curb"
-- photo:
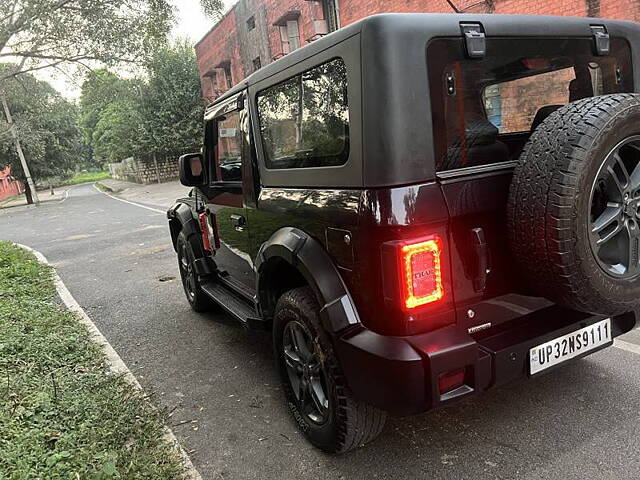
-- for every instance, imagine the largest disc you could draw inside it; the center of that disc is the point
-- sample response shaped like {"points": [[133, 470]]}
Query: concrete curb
{"points": [[115, 363], [99, 185]]}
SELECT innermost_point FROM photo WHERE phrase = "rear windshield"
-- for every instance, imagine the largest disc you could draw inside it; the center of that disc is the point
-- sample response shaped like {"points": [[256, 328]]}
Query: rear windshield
{"points": [[484, 110]]}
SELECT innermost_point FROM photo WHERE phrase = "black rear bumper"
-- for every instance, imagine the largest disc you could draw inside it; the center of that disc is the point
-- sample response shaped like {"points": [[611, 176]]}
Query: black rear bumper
{"points": [[400, 374]]}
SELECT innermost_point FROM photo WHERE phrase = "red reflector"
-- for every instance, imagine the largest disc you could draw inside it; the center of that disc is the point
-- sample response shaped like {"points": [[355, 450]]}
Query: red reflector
{"points": [[450, 381], [422, 273], [204, 226]]}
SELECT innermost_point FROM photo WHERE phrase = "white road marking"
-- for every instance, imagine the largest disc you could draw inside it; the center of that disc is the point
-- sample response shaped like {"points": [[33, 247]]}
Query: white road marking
{"points": [[66, 195], [627, 346], [157, 210], [116, 365]]}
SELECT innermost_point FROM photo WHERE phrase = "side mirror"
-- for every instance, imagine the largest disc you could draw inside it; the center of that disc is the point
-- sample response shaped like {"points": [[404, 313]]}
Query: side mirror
{"points": [[191, 169]]}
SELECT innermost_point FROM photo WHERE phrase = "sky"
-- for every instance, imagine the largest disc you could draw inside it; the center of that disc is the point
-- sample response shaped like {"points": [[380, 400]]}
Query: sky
{"points": [[191, 24]]}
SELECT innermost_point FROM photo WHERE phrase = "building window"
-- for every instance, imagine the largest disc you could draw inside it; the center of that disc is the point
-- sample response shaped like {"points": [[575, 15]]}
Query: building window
{"points": [[227, 75], [290, 36], [304, 121], [257, 64], [330, 11], [251, 23], [293, 32]]}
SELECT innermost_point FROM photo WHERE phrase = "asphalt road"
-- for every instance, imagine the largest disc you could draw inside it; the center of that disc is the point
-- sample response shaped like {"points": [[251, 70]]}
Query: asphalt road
{"points": [[580, 422]]}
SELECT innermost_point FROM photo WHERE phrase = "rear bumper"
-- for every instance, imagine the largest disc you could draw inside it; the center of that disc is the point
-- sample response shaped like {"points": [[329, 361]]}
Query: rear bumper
{"points": [[400, 374]]}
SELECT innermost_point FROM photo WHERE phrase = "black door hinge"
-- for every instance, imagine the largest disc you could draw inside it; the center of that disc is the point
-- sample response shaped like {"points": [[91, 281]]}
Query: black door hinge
{"points": [[601, 37], [476, 45]]}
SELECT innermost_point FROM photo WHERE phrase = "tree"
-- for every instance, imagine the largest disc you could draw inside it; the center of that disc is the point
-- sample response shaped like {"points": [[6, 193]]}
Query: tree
{"points": [[41, 34], [212, 8], [171, 103], [100, 91], [47, 125], [118, 133]]}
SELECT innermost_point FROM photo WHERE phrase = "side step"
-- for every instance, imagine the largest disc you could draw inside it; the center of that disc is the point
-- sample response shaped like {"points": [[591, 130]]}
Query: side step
{"points": [[233, 304]]}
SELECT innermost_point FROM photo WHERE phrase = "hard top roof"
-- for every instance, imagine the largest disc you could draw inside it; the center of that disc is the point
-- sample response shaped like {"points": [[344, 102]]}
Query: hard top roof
{"points": [[376, 28]]}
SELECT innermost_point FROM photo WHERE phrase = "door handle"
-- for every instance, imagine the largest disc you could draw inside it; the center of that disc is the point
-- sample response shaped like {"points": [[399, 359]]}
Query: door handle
{"points": [[238, 221], [483, 259]]}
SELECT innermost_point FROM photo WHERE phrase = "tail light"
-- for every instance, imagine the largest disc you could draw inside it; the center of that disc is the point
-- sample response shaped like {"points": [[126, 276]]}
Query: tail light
{"points": [[421, 273], [416, 285]]}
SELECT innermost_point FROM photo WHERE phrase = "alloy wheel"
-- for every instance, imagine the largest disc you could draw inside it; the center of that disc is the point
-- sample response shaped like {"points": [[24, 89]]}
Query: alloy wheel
{"points": [[187, 272], [615, 211], [305, 371]]}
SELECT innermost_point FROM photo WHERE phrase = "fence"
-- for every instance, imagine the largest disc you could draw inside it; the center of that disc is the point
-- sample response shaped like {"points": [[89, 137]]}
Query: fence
{"points": [[8, 185]]}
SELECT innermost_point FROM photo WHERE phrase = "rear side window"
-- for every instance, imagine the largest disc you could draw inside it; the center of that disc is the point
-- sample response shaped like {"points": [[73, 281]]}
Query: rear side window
{"points": [[304, 121], [484, 110]]}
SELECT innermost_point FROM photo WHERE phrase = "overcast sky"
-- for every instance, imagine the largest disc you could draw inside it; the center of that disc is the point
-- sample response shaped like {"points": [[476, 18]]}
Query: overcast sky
{"points": [[191, 23]]}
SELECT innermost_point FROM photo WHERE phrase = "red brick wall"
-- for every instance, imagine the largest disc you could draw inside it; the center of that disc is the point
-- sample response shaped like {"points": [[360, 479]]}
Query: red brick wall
{"points": [[219, 45], [225, 40]]}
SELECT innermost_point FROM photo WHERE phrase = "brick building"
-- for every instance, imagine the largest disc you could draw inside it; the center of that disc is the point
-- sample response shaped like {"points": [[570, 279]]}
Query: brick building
{"points": [[256, 32]]}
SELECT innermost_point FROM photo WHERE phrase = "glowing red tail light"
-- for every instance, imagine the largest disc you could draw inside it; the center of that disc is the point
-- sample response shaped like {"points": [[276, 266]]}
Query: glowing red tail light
{"points": [[421, 272]]}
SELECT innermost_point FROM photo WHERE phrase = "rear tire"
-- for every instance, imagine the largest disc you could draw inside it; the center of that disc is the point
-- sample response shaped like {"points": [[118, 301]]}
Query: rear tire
{"points": [[198, 300], [555, 210], [344, 423]]}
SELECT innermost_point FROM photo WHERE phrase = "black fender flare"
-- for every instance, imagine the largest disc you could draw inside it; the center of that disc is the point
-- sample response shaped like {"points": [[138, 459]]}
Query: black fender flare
{"points": [[308, 256], [181, 219]]}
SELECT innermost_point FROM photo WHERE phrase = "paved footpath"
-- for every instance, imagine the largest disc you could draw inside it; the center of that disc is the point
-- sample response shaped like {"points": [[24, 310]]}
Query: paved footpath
{"points": [[581, 422]]}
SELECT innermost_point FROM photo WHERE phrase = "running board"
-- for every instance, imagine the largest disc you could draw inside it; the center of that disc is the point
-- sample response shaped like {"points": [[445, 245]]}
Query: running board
{"points": [[233, 304]]}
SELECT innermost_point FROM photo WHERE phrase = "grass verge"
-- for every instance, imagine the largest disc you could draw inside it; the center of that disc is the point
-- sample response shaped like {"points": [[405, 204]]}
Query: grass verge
{"points": [[62, 413], [85, 177]]}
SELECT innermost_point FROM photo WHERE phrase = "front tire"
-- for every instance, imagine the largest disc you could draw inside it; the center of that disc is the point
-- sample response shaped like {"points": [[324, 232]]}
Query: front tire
{"points": [[314, 386], [198, 300]]}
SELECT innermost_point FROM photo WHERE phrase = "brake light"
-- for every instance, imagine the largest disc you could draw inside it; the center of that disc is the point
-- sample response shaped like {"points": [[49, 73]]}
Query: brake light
{"points": [[421, 273]]}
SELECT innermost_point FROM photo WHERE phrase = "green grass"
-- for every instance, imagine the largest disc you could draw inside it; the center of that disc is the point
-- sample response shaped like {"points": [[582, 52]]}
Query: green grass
{"points": [[62, 413], [85, 177]]}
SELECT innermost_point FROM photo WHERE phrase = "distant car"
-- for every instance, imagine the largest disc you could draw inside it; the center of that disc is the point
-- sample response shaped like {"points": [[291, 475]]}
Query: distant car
{"points": [[421, 207]]}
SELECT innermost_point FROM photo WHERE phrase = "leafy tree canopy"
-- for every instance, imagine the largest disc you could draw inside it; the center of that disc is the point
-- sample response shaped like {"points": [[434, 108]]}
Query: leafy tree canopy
{"points": [[47, 125], [212, 8], [49, 33], [161, 114]]}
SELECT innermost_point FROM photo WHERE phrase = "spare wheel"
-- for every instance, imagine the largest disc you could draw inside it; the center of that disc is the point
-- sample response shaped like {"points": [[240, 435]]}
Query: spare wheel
{"points": [[574, 206]]}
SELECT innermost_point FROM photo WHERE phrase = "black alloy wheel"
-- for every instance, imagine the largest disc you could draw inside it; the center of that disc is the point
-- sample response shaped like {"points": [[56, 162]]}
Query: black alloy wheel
{"points": [[187, 271], [197, 298], [306, 373], [615, 211]]}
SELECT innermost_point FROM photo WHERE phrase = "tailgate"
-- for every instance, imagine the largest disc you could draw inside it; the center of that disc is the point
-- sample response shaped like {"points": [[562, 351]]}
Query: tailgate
{"points": [[486, 288]]}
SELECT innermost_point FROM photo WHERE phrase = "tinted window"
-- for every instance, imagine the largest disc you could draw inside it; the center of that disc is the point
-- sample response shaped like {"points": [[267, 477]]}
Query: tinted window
{"points": [[485, 110], [304, 121], [229, 148]]}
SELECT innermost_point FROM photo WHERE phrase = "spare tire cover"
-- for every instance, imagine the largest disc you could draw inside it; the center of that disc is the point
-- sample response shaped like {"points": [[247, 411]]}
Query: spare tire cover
{"points": [[574, 206]]}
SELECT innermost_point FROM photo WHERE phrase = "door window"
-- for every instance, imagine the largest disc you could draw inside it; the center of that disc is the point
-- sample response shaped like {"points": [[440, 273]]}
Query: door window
{"points": [[304, 121], [228, 161]]}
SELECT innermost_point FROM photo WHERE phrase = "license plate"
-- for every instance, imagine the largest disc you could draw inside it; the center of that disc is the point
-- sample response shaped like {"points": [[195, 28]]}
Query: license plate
{"points": [[569, 346]]}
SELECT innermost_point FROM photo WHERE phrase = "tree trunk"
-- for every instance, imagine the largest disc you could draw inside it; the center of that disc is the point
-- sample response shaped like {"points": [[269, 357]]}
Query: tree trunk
{"points": [[27, 193]]}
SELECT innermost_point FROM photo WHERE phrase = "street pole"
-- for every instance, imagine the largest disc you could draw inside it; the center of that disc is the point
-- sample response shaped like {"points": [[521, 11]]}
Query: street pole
{"points": [[16, 139]]}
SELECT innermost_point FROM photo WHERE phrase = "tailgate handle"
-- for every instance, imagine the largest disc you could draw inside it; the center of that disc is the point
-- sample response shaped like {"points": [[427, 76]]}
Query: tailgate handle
{"points": [[483, 266]]}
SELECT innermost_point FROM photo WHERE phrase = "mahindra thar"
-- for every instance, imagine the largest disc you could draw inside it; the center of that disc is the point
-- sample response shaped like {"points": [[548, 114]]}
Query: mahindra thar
{"points": [[420, 207]]}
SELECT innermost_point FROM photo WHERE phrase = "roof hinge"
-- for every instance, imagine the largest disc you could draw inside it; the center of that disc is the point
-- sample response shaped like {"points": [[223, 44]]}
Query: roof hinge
{"points": [[601, 37], [474, 39]]}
